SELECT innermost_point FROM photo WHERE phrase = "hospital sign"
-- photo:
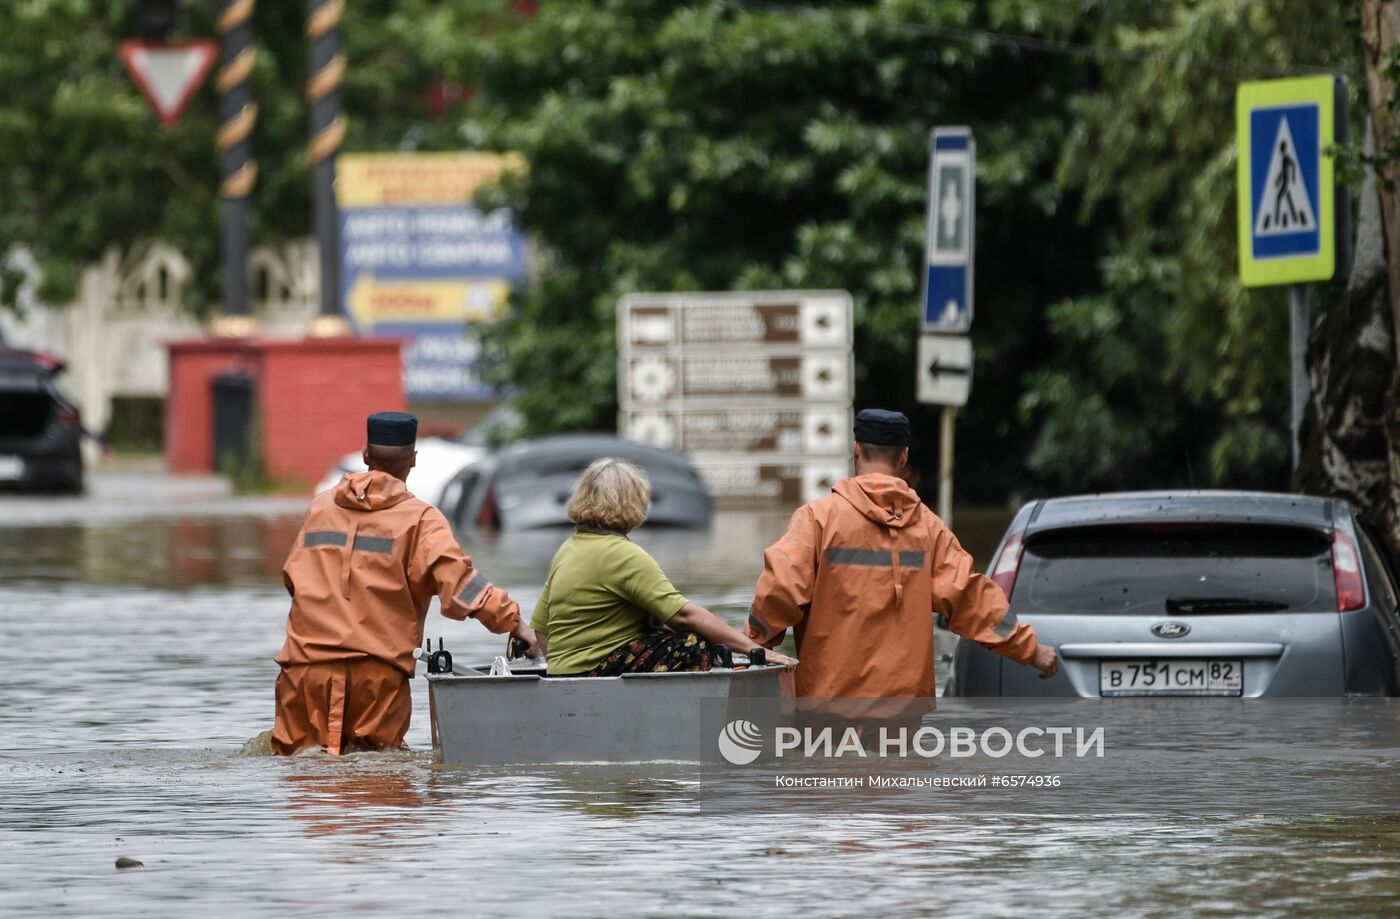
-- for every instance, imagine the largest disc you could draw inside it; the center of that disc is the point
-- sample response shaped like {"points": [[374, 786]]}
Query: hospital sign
{"points": [[1286, 201]]}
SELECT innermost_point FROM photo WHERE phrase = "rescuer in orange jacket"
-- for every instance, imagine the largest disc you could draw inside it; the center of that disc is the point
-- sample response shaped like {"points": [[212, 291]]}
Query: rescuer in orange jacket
{"points": [[860, 573], [366, 563]]}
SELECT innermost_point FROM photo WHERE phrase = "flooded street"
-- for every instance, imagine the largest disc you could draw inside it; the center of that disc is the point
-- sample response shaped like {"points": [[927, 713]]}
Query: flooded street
{"points": [[136, 644]]}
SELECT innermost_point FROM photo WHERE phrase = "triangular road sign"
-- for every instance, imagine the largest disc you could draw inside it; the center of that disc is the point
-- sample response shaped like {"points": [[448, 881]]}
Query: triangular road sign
{"points": [[1285, 206], [168, 74]]}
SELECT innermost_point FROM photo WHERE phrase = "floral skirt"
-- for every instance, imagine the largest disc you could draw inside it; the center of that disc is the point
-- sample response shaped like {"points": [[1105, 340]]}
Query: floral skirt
{"points": [[663, 651]]}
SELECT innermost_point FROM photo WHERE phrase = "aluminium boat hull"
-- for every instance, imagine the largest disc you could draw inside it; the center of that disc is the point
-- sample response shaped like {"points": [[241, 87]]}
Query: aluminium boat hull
{"points": [[527, 718]]}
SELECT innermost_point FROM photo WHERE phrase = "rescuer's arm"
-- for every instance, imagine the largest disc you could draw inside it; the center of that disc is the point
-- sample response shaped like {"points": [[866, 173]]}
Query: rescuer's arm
{"points": [[695, 618], [287, 581], [977, 610], [784, 591], [464, 591]]}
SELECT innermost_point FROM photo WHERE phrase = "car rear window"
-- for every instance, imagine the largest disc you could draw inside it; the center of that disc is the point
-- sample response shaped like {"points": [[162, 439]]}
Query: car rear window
{"points": [[24, 414], [1180, 569]]}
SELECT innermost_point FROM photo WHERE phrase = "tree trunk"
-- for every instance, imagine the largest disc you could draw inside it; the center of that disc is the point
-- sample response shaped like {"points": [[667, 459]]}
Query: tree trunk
{"points": [[1380, 27], [1349, 431]]}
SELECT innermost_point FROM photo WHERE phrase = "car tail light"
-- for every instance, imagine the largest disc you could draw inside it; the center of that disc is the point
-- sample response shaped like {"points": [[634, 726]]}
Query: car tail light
{"points": [[1346, 569], [486, 514], [45, 361], [68, 417], [1007, 563]]}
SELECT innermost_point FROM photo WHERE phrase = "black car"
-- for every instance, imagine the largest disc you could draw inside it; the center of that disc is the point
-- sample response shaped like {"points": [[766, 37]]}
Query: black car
{"points": [[526, 486], [40, 429]]}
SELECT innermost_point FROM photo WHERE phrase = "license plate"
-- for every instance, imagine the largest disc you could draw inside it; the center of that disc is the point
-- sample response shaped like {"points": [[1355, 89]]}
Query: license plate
{"points": [[1171, 678], [11, 468]]}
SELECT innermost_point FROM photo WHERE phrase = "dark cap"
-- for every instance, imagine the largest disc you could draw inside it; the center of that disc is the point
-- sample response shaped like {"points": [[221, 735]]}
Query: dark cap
{"points": [[878, 426], [392, 429]]}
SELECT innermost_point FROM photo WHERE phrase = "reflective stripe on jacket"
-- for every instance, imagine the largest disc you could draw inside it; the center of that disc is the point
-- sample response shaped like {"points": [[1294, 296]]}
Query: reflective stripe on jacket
{"points": [[858, 576], [367, 562]]}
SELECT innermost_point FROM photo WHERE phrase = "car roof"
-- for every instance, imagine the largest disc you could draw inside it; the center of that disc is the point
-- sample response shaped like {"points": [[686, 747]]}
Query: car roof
{"points": [[1256, 507], [559, 447]]}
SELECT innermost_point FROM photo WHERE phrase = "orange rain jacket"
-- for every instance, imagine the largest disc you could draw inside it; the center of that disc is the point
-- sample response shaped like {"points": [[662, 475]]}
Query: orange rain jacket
{"points": [[858, 576], [367, 562]]}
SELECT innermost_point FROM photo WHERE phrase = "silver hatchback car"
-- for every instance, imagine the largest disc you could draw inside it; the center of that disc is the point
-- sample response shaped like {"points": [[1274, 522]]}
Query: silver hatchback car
{"points": [[1199, 593]]}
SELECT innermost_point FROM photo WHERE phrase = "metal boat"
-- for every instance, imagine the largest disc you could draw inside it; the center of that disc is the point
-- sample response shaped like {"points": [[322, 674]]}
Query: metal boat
{"points": [[511, 713]]}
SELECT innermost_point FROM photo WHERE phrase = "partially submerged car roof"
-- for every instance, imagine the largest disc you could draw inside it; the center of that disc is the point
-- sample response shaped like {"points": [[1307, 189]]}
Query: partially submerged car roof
{"points": [[1254, 507], [564, 452]]}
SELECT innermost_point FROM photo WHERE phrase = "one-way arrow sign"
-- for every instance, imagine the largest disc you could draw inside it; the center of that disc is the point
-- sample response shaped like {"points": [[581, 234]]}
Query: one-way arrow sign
{"points": [[945, 369]]}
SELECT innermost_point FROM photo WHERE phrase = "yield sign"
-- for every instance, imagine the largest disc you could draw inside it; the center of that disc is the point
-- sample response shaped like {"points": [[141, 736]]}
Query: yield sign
{"points": [[168, 74]]}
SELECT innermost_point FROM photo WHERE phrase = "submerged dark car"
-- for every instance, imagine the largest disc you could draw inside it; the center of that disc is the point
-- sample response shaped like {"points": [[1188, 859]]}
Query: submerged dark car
{"points": [[40, 430], [1194, 594], [526, 486]]}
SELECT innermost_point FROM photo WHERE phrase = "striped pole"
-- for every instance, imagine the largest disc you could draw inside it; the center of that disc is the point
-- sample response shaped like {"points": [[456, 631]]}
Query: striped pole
{"points": [[237, 171], [327, 134]]}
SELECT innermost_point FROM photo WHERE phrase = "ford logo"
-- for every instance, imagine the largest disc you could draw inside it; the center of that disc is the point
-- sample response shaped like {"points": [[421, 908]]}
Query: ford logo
{"points": [[1170, 629]]}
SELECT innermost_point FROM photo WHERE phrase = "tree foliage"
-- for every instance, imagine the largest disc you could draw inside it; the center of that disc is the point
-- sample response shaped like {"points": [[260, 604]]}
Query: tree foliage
{"points": [[1154, 153], [746, 144], [719, 146], [84, 165]]}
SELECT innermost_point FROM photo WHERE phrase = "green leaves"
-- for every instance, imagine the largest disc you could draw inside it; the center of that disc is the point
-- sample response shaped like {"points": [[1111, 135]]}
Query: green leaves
{"points": [[84, 165], [718, 146]]}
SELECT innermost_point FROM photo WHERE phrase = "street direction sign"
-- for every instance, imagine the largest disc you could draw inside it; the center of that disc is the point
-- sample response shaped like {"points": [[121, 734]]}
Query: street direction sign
{"points": [[654, 378], [945, 369], [746, 482], [1285, 192], [947, 281], [168, 73], [809, 430], [420, 261], [813, 322], [755, 386]]}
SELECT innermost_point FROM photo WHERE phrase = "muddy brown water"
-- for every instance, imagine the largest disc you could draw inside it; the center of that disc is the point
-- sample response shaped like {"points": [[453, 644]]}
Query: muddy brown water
{"points": [[135, 662]]}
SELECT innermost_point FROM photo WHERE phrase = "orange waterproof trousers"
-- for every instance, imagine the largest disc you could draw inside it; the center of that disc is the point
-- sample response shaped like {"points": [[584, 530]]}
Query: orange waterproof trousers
{"points": [[361, 704]]}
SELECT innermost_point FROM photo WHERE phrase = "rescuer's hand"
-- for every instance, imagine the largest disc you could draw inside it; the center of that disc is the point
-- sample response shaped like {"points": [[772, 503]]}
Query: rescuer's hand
{"points": [[527, 635], [1046, 660], [773, 657]]}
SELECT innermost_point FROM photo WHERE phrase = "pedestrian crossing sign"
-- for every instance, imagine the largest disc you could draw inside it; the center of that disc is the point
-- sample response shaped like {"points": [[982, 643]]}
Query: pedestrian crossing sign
{"points": [[1287, 214]]}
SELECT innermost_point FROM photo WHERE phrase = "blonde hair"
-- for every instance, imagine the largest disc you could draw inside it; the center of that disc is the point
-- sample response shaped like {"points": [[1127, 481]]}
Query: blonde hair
{"points": [[612, 494]]}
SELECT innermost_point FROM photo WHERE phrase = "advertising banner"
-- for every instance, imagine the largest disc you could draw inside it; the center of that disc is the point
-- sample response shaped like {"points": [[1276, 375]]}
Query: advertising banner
{"points": [[420, 261]]}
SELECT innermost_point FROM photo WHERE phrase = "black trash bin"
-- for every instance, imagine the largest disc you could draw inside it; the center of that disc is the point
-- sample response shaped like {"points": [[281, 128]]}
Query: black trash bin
{"points": [[233, 420]]}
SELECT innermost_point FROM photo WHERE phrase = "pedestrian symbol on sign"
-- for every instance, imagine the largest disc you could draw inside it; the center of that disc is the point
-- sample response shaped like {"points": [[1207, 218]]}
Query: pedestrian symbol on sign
{"points": [[1286, 205]]}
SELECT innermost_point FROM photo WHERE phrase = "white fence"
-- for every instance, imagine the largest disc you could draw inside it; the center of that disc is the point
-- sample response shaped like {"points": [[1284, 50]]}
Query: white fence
{"points": [[112, 337]]}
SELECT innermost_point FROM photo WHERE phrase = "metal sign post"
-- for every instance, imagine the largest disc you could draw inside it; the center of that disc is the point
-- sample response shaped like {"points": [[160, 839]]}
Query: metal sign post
{"points": [[945, 378], [1298, 322], [327, 132], [238, 113], [945, 353], [1288, 226]]}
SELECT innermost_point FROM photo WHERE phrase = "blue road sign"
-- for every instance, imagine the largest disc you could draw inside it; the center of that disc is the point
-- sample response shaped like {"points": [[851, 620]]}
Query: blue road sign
{"points": [[1286, 206], [948, 250]]}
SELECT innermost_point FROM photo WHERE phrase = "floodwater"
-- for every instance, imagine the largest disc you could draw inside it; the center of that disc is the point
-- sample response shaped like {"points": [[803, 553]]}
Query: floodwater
{"points": [[137, 628]]}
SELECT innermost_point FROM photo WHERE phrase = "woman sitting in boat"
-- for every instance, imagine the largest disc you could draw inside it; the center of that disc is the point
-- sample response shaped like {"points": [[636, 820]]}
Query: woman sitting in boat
{"points": [[604, 591]]}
